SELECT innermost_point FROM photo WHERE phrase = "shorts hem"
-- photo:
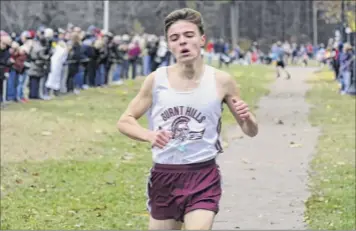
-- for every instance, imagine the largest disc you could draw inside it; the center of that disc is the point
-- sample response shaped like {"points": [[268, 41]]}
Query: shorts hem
{"points": [[162, 218], [202, 207]]}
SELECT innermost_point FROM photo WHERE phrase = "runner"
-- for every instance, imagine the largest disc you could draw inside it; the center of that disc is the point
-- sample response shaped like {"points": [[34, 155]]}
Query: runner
{"points": [[280, 65], [184, 106]]}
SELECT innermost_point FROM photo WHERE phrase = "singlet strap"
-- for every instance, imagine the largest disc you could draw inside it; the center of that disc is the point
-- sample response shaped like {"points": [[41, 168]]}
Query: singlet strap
{"points": [[209, 82], [160, 80]]}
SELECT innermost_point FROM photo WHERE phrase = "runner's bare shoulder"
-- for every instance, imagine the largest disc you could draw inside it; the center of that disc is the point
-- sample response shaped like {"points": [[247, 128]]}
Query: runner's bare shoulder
{"points": [[147, 85], [225, 83], [223, 77]]}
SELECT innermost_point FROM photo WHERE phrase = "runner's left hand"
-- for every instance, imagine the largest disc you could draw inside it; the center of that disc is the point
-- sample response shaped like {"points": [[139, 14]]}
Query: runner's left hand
{"points": [[241, 109]]}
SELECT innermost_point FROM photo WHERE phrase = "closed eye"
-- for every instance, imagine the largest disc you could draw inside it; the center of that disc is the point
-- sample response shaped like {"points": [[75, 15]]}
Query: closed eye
{"points": [[189, 34], [173, 37]]}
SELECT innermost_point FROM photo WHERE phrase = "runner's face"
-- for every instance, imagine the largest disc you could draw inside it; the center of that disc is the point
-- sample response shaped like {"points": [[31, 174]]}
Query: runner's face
{"points": [[185, 41]]}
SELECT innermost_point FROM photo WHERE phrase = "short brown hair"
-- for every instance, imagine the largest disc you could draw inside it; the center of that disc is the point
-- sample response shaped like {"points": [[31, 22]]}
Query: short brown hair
{"points": [[185, 14]]}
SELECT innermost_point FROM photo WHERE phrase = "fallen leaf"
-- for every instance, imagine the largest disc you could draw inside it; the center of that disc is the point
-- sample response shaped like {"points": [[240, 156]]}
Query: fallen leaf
{"points": [[279, 121], [122, 93], [72, 212], [127, 156], [46, 133], [78, 225], [294, 145], [245, 161], [100, 208]]}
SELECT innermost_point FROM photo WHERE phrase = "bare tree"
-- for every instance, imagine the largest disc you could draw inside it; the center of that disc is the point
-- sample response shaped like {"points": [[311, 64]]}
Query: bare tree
{"points": [[16, 15], [264, 21]]}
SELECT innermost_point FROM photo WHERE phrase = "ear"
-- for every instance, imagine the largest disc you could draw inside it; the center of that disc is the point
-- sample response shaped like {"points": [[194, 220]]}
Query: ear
{"points": [[202, 40]]}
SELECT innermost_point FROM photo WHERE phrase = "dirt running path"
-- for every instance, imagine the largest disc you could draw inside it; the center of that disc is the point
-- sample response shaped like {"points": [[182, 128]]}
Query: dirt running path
{"points": [[265, 178]]}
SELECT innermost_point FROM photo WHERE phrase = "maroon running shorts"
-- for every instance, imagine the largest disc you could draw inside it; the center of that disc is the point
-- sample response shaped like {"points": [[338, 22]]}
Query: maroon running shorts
{"points": [[175, 190]]}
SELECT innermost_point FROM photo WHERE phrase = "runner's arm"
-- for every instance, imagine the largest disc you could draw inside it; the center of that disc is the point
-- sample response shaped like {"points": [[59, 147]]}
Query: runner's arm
{"points": [[128, 122], [248, 126]]}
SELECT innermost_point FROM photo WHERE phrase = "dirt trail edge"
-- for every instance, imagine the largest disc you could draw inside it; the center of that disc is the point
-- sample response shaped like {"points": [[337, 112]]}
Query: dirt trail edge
{"points": [[265, 177]]}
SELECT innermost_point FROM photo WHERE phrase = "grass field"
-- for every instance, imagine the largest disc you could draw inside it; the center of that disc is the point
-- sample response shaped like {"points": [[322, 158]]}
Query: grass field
{"points": [[332, 205], [65, 166]]}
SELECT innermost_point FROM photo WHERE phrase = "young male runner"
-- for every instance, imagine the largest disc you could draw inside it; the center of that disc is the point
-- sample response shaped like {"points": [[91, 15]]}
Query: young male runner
{"points": [[184, 105]]}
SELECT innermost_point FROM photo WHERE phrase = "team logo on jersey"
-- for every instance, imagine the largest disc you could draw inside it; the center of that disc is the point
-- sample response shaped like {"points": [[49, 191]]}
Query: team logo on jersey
{"points": [[181, 130], [187, 123]]}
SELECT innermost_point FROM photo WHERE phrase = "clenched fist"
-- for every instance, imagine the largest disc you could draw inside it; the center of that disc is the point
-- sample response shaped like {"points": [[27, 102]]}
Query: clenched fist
{"points": [[160, 138], [241, 109]]}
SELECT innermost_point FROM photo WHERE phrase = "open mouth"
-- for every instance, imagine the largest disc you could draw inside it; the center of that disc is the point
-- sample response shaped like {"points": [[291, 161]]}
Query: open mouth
{"points": [[184, 51]]}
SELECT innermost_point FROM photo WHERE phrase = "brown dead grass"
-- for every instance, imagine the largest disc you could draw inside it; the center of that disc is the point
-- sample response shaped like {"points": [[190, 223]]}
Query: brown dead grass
{"points": [[34, 136]]}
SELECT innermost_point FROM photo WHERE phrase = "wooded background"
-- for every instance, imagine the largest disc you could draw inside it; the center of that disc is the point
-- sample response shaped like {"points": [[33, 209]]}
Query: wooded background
{"points": [[245, 21]]}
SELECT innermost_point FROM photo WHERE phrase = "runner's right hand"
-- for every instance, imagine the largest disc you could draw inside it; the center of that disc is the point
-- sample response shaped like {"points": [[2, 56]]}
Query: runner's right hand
{"points": [[160, 138]]}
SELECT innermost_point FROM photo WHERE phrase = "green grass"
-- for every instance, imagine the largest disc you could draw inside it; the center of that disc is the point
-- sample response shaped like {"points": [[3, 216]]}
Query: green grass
{"points": [[65, 166], [332, 204]]}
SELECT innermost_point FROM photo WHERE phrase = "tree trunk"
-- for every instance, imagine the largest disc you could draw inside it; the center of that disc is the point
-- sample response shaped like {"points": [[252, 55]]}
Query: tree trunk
{"points": [[283, 21], [237, 11], [315, 23], [296, 18], [222, 22], [233, 22]]}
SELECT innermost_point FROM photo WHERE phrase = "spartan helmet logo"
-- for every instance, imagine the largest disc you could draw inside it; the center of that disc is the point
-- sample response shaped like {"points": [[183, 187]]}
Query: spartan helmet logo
{"points": [[180, 128]]}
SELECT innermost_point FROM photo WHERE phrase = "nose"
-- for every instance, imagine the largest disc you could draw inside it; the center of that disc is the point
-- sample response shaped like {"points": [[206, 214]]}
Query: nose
{"points": [[182, 41]]}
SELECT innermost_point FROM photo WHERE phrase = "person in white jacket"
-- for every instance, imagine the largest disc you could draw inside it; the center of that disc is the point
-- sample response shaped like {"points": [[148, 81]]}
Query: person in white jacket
{"points": [[57, 67]]}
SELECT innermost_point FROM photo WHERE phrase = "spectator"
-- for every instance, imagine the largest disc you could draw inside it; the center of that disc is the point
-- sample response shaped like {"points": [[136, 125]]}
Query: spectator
{"points": [[117, 57], [39, 67], [5, 61], [134, 52], [74, 57], [20, 71], [346, 65], [58, 59]]}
